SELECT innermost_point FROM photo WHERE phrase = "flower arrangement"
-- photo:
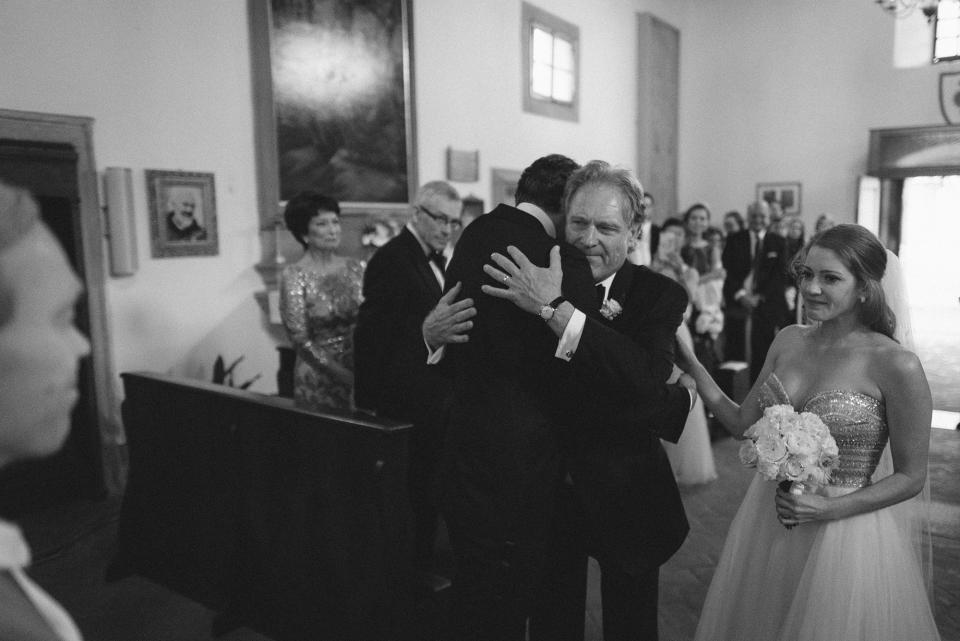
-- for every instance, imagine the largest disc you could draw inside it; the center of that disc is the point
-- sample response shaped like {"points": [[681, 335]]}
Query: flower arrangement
{"points": [[709, 321], [786, 446], [610, 309]]}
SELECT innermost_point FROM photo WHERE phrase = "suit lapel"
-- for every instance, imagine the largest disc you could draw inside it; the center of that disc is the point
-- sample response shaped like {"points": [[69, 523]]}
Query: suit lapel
{"points": [[420, 262]]}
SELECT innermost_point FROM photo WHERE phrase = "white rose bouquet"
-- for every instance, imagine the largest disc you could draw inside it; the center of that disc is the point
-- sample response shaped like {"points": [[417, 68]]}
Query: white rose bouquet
{"points": [[786, 446]]}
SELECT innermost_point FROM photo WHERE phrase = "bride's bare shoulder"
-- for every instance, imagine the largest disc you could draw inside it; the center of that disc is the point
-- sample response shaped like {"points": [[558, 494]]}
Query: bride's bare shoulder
{"points": [[893, 362]]}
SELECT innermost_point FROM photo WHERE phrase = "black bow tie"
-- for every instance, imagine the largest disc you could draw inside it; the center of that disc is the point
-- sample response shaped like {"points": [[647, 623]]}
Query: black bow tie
{"points": [[438, 259]]}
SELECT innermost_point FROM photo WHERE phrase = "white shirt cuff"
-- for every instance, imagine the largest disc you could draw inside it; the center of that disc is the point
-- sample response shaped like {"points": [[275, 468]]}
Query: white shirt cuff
{"points": [[570, 340], [434, 357]]}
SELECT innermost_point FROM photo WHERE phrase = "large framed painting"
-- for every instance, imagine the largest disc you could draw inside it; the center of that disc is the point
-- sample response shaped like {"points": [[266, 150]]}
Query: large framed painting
{"points": [[333, 95]]}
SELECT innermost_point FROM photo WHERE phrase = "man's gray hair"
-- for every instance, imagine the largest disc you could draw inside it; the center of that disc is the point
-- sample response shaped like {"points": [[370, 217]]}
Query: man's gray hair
{"points": [[435, 190], [630, 189]]}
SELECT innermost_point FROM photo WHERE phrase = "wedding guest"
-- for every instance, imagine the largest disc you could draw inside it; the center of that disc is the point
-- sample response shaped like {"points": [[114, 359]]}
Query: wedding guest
{"points": [[403, 282], [706, 319], [733, 222], [824, 221], [319, 303], [39, 351], [755, 287]]}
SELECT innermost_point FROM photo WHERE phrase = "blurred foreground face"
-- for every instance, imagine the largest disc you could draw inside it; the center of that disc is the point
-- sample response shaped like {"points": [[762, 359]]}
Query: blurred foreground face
{"points": [[39, 348]]}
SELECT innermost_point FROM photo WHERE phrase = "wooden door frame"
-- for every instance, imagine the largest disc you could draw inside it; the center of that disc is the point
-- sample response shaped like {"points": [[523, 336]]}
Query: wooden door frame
{"points": [[78, 132]]}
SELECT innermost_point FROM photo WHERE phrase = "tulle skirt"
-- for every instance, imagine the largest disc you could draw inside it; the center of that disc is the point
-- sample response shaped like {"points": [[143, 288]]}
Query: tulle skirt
{"points": [[851, 579], [692, 456]]}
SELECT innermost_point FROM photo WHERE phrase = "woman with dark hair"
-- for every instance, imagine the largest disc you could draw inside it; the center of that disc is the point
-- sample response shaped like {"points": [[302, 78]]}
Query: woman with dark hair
{"points": [[39, 351], [846, 559], [691, 458], [733, 222], [320, 297]]}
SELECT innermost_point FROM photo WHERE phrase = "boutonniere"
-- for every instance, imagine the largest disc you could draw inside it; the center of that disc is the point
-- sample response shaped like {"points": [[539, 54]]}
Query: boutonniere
{"points": [[610, 309]]}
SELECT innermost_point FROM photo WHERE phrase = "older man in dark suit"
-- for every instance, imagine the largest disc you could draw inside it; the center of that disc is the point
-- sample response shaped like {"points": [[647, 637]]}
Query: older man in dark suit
{"points": [[756, 284], [402, 283], [620, 504]]}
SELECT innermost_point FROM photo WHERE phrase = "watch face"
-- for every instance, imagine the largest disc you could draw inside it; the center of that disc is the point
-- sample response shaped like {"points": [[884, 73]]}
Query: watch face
{"points": [[546, 312]]}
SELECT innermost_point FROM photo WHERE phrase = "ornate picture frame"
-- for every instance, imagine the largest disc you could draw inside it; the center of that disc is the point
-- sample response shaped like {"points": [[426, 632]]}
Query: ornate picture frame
{"points": [[183, 213]]}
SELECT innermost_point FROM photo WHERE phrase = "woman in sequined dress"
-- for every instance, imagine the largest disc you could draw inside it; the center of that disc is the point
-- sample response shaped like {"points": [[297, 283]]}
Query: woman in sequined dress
{"points": [[320, 296], [854, 564]]}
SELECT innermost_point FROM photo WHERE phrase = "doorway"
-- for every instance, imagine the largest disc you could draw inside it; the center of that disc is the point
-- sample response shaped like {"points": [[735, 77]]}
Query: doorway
{"points": [[52, 156], [929, 242]]}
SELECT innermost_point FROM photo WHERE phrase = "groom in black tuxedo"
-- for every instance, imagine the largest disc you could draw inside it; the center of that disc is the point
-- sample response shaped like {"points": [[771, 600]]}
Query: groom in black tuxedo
{"points": [[619, 501], [501, 462]]}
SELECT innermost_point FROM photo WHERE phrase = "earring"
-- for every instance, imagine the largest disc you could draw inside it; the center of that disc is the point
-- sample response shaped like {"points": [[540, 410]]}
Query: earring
{"points": [[863, 299]]}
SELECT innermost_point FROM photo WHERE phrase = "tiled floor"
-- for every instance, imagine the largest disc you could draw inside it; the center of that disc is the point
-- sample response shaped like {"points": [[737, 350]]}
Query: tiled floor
{"points": [[73, 546]]}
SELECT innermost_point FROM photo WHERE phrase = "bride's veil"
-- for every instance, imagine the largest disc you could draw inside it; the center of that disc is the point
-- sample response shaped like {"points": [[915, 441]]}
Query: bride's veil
{"points": [[914, 514]]}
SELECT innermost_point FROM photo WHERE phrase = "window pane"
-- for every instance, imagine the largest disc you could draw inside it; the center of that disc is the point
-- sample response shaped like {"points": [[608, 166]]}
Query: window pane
{"points": [[948, 9], [540, 79], [946, 48], [542, 46], [948, 29], [562, 53], [562, 86]]}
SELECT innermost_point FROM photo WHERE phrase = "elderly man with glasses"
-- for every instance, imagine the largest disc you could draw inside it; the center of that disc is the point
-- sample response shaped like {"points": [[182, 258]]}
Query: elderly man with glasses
{"points": [[402, 283]]}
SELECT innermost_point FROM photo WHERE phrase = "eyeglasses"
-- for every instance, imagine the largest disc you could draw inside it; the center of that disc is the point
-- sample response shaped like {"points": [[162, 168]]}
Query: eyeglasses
{"points": [[441, 219]]}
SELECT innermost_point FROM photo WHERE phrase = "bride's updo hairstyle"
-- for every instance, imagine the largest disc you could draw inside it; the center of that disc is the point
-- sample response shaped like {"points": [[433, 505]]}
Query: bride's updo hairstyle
{"points": [[864, 255]]}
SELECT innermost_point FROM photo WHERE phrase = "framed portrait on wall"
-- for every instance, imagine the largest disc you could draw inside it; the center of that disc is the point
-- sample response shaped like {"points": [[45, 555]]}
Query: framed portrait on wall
{"points": [[333, 97], [183, 213], [786, 194]]}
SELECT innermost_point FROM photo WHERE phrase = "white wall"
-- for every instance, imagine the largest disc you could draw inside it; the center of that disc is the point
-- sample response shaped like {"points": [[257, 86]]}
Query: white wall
{"points": [[168, 85], [467, 59], [781, 90]]}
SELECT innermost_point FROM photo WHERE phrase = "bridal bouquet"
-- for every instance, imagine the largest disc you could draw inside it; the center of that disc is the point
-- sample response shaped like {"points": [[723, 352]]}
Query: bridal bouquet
{"points": [[786, 446]]}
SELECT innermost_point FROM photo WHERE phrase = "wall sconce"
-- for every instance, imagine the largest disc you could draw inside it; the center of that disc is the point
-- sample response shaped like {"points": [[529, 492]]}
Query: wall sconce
{"points": [[122, 239]]}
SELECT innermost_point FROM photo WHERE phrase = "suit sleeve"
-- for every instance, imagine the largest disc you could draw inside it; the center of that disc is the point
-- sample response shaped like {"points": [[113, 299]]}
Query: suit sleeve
{"points": [[376, 329], [630, 369]]}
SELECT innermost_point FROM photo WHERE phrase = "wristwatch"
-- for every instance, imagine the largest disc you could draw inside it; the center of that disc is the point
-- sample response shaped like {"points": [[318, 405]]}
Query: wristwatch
{"points": [[548, 310]]}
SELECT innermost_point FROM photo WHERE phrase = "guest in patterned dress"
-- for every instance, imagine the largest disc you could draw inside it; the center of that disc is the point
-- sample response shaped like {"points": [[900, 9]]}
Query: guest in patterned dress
{"points": [[320, 296]]}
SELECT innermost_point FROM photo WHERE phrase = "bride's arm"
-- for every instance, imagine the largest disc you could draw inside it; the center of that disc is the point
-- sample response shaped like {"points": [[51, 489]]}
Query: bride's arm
{"points": [[909, 411], [735, 418]]}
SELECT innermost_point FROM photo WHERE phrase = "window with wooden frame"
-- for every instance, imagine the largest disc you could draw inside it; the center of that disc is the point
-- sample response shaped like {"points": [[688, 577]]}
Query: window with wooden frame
{"points": [[550, 64], [946, 38]]}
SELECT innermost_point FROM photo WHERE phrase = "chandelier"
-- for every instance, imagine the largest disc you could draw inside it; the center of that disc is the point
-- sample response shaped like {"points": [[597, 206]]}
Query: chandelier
{"points": [[903, 8]]}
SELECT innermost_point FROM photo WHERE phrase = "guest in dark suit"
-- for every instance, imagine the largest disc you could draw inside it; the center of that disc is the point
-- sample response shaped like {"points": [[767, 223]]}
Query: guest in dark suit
{"points": [[402, 283], [501, 464], [620, 502], [755, 287]]}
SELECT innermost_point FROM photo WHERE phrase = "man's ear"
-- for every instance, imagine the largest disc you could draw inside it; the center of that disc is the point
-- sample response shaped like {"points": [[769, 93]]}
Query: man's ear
{"points": [[635, 238]]}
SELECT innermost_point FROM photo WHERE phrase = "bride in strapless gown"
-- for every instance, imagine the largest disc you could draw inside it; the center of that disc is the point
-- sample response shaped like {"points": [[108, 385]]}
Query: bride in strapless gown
{"points": [[851, 566]]}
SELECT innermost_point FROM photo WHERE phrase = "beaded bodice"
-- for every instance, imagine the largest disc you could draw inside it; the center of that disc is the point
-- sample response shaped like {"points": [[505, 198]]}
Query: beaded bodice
{"points": [[857, 422], [320, 307]]}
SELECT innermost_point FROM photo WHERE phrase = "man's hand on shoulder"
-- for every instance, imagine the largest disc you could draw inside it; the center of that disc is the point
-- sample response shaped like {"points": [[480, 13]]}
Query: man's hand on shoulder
{"points": [[449, 322]]}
